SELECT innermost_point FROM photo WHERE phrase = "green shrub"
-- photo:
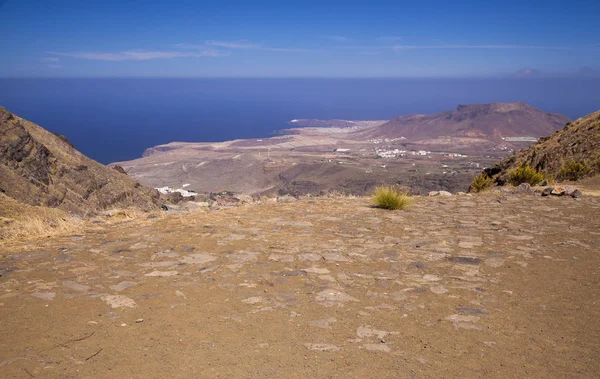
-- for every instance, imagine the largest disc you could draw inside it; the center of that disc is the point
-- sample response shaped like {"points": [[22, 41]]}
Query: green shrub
{"points": [[573, 170], [525, 174], [389, 198], [481, 183]]}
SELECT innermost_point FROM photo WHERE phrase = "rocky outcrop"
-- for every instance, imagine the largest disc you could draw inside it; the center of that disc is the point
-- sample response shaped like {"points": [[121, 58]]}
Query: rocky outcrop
{"points": [[38, 167], [578, 143]]}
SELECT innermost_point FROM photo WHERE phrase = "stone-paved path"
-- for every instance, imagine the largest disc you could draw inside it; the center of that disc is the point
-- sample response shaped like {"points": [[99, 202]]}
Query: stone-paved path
{"points": [[486, 286]]}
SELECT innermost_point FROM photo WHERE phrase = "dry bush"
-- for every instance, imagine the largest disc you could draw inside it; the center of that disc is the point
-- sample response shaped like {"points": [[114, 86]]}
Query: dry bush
{"points": [[525, 174], [387, 197], [481, 183], [573, 170]]}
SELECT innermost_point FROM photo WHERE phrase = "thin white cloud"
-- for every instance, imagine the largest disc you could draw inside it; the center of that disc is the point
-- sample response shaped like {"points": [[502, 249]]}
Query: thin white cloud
{"points": [[50, 59], [475, 47], [242, 45], [135, 55], [233, 45], [399, 47]]}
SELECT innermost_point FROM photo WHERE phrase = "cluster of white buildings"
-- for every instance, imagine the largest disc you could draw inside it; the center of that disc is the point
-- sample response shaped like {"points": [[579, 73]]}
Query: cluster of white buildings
{"points": [[390, 153], [182, 191], [387, 140], [399, 153], [454, 155], [395, 153]]}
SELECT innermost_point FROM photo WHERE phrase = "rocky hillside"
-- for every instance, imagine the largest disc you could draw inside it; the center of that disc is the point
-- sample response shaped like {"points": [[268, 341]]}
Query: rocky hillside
{"points": [[38, 167], [488, 121], [578, 142]]}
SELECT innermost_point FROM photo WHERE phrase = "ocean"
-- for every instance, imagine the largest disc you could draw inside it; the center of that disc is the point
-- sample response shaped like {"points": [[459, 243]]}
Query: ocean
{"points": [[115, 119]]}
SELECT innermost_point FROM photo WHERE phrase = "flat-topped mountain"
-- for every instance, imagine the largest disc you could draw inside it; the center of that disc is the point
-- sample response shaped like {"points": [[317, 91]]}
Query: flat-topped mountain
{"points": [[577, 143], [486, 121], [38, 167]]}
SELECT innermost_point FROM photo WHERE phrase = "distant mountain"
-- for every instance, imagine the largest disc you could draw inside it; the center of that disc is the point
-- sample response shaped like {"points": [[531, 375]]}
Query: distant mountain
{"points": [[579, 141], [483, 121], [38, 167]]}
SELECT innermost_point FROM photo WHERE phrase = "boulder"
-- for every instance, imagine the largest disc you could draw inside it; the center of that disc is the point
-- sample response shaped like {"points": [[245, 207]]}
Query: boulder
{"points": [[524, 188], [576, 194], [191, 206], [544, 183], [558, 191], [569, 190], [440, 193], [547, 191]]}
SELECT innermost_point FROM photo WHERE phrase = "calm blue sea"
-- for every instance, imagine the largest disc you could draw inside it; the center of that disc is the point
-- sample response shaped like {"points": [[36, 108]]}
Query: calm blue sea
{"points": [[116, 119]]}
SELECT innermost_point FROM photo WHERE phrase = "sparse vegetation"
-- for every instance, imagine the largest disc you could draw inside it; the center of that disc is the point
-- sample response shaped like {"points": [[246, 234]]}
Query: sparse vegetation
{"points": [[525, 174], [20, 221], [573, 170], [481, 183], [334, 193], [596, 165], [387, 197]]}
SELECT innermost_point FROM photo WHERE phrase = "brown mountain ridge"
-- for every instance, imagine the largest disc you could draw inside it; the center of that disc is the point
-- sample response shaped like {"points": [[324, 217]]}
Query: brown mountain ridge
{"points": [[38, 167], [579, 142], [488, 121]]}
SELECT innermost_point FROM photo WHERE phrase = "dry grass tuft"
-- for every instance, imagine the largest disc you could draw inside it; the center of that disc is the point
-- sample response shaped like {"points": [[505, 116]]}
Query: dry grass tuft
{"points": [[390, 198], [481, 183], [24, 222]]}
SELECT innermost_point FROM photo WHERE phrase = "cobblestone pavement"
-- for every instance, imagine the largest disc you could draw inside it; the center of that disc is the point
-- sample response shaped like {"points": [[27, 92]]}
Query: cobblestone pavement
{"points": [[491, 286]]}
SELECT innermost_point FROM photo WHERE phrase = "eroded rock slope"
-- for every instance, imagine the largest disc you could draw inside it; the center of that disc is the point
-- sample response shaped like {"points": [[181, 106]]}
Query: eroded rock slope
{"points": [[42, 168]]}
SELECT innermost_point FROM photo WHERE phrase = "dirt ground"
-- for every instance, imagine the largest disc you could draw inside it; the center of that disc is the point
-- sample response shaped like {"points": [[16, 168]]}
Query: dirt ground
{"points": [[495, 286]]}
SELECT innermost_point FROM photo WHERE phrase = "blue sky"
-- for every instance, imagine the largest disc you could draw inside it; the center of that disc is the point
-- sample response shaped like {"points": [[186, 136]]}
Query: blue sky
{"points": [[299, 38]]}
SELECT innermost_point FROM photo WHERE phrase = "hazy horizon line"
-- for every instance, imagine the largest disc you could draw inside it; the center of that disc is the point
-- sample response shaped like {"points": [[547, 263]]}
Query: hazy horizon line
{"points": [[497, 76]]}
